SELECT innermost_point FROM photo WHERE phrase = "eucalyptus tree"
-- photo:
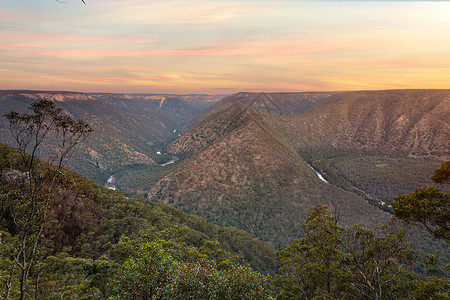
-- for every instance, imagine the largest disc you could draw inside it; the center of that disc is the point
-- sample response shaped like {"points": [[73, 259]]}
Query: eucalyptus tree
{"points": [[28, 197], [428, 206], [333, 262]]}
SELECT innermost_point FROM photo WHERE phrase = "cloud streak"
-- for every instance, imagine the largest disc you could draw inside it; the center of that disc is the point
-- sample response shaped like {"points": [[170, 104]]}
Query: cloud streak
{"points": [[210, 46]]}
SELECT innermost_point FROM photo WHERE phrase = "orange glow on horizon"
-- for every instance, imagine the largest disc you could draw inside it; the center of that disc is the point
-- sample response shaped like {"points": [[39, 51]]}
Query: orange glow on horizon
{"points": [[188, 46]]}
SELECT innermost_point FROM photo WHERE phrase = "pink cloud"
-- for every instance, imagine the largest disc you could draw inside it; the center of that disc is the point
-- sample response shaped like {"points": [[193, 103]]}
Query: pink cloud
{"points": [[59, 37], [17, 15], [267, 47], [24, 49]]}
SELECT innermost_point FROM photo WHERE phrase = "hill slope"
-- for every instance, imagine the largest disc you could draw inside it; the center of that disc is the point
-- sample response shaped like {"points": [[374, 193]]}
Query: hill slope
{"points": [[128, 129], [412, 123], [87, 220], [250, 169], [278, 103], [241, 172]]}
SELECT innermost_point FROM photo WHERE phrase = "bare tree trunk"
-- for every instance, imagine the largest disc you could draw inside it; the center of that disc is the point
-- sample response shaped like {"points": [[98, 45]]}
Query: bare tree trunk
{"points": [[23, 284], [9, 282], [376, 295], [36, 293]]}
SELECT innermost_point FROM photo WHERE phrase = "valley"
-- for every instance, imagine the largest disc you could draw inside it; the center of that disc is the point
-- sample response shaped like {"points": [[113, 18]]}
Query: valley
{"points": [[128, 129], [219, 186], [224, 150], [260, 162]]}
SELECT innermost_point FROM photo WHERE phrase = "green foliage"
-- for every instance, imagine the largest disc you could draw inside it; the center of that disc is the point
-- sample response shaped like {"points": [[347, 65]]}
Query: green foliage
{"points": [[427, 206], [433, 288], [152, 273], [146, 275], [26, 194], [331, 262], [92, 231], [8, 269], [377, 262], [86, 219], [312, 265], [442, 174], [240, 282], [199, 280], [64, 276]]}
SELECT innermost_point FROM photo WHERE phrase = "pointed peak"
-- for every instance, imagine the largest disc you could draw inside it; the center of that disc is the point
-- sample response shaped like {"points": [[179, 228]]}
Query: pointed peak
{"points": [[265, 104]]}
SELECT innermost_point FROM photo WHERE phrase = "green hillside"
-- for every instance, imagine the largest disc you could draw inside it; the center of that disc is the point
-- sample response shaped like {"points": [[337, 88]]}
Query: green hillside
{"points": [[89, 224], [242, 173], [240, 166]]}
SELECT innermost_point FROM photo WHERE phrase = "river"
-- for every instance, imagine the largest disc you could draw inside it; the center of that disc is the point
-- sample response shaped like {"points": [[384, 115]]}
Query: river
{"points": [[318, 174], [111, 182]]}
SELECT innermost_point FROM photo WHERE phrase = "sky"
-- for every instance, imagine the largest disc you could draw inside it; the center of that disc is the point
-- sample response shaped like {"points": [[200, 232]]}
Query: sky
{"points": [[222, 47]]}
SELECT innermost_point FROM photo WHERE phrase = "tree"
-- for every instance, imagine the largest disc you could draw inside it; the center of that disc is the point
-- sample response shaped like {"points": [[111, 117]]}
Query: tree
{"points": [[152, 271], [147, 274], [312, 265], [332, 262], [377, 262], [433, 288], [428, 206], [442, 174], [30, 188]]}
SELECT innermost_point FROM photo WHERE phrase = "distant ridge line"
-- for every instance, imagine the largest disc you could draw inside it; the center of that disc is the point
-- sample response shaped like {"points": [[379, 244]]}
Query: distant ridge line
{"points": [[265, 102]]}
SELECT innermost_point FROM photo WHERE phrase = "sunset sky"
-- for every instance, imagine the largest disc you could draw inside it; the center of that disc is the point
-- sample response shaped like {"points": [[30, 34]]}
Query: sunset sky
{"points": [[165, 46]]}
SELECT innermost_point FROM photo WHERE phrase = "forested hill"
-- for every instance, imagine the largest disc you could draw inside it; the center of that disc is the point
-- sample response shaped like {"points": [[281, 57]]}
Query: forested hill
{"points": [[248, 166], [128, 129], [88, 221], [255, 168], [410, 123], [241, 172]]}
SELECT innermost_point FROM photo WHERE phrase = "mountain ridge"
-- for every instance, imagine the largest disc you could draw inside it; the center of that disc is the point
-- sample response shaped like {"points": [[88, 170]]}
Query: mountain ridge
{"points": [[250, 169], [380, 121], [127, 131], [288, 103], [253, 166]]}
